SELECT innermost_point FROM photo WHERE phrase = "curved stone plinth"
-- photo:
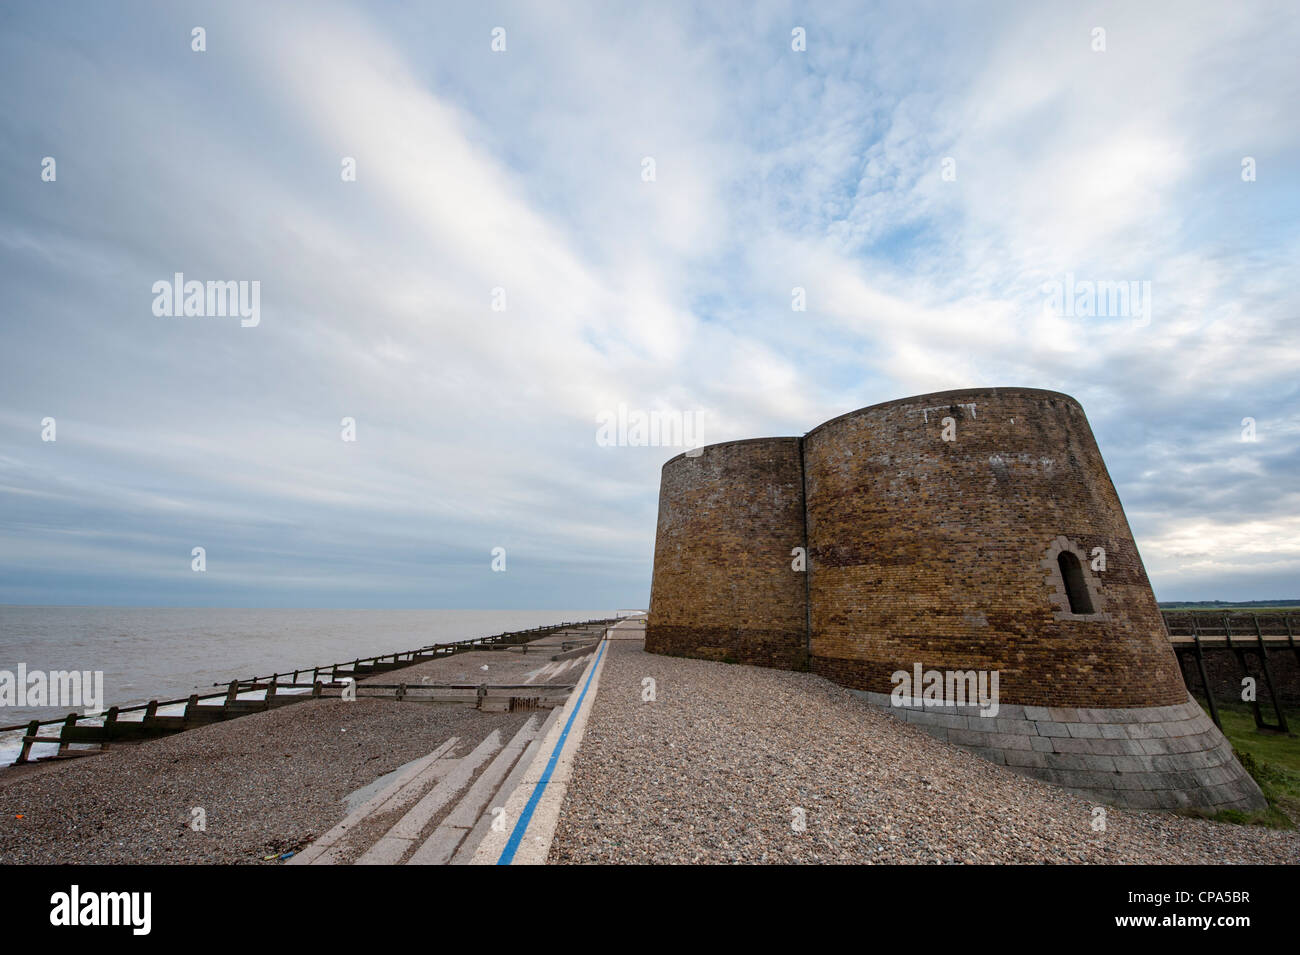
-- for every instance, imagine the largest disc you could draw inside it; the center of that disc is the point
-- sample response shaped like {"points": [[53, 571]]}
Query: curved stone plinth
{"points": [[1152, 757]]}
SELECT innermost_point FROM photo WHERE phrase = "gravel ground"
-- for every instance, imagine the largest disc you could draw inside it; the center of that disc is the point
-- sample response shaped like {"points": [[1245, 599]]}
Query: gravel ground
{"points": [[713, 770], [269, 782]]}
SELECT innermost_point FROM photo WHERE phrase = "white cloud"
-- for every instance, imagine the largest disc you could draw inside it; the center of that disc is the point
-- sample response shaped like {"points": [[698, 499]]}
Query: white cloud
{"points": [[523, 171]]}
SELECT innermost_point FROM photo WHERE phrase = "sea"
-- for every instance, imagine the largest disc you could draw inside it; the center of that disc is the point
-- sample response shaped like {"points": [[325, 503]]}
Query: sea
{"points": [[165, 653]]}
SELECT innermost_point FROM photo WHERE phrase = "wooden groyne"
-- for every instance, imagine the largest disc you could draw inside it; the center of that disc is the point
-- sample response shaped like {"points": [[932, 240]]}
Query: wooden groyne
{"points": [[334, 679]]}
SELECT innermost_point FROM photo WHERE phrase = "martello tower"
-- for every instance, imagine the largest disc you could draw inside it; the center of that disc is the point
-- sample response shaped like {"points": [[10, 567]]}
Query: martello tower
{"points": [[961, 531]]}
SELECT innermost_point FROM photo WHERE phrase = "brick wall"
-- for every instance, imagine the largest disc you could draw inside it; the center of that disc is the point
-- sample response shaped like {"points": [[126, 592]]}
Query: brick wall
{"points": [[942, 552], [723, 587], [920, 550]]}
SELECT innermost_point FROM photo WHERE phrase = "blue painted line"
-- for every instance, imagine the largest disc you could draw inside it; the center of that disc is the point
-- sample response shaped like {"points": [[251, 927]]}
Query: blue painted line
{"points": [[517, 834]]}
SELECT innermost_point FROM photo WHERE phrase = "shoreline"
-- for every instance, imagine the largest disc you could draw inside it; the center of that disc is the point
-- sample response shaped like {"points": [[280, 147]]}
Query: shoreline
{"points": [[268, 783]]}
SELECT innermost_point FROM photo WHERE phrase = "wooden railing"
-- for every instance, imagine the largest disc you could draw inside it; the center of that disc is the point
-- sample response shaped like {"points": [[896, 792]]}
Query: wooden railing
{"points": [[391, 661], [1280, 627]]}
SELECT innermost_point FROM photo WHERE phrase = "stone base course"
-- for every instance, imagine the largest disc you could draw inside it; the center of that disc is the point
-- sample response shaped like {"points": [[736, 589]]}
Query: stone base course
{"points": [[1158, 757]]}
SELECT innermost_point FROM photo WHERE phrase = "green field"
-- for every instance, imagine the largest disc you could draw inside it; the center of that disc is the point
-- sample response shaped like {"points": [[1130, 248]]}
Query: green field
{"points": [[1275, 607], [1272, 758]]}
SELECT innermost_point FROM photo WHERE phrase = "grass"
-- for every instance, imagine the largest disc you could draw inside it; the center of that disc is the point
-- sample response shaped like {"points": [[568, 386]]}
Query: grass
{"points": [[1273, 759], [1279, 608]]}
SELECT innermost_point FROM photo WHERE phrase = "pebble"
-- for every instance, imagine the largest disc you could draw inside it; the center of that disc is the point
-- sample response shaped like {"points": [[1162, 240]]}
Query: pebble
{"points": [[714, 768]]}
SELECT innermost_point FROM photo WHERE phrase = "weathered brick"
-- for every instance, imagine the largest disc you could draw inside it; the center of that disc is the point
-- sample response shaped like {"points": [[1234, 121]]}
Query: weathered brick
{"points": [[940, 555]]}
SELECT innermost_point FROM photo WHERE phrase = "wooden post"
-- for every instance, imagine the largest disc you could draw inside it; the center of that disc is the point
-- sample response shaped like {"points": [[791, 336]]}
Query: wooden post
{"points": [[232, 692], [270, 690], [33, 730], [316, 689], [110, 723], [1268, 676], [482, 695], [1205, 677], [68, 724], [190, 705], [1245, 671], [151, 710], [401, 691]]}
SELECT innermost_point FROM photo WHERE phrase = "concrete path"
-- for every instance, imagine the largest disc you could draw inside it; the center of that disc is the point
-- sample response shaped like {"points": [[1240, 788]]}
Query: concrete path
{"points": [[498, 803], [533, 808]]}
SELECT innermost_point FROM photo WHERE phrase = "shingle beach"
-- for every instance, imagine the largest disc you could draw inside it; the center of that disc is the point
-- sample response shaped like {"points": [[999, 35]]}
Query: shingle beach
{"points": [[268, 783], [716, 767]]}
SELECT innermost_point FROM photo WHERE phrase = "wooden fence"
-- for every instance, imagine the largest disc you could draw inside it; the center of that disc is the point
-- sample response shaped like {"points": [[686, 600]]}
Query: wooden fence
{"points": [[341, 676], [1196, 633]]}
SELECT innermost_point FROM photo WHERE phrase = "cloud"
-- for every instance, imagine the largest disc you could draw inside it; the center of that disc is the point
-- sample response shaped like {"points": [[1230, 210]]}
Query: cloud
{"points": [[521, 171]]}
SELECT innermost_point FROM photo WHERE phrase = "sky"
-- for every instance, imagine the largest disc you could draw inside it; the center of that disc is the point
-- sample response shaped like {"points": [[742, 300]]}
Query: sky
{"points": [[615, 210]]}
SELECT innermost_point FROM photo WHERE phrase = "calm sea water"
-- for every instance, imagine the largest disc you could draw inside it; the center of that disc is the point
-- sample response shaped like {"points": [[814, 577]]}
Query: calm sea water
{"points": [[171, 652]]}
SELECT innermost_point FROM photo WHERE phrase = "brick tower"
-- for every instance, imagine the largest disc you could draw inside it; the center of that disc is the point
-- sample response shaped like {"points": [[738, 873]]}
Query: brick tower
{"points": [[970, 532]]}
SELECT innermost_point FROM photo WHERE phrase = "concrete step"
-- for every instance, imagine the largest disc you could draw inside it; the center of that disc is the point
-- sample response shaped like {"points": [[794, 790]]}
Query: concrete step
{"points": [[330, 848], [392, 848], [465, 854], [451, 832]]}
